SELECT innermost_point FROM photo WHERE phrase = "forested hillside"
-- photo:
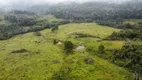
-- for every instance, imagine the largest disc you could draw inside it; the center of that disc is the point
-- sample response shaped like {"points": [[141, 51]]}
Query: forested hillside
{"points": [[94, 40], [91, 11]]}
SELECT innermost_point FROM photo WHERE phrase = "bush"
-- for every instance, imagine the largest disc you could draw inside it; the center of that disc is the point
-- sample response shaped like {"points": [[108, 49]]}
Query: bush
{"points": [[27, 21], [126, 26], [101, 49], [68, 46], [64, 22], [61, 75], [110, 22], [37, 33], [81, 35], [55, 41], [54, 29], [1, 19], [88, 60], [19, 51], [140, 23]]}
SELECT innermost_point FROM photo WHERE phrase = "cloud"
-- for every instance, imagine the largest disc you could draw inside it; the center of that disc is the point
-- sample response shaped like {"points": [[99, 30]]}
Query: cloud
{"points": [[24, 4], [8, 2]]}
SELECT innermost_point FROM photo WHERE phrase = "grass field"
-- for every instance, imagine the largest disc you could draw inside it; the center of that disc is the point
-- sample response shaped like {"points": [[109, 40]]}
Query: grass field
{"points": [[88, 28], [43, 60]]}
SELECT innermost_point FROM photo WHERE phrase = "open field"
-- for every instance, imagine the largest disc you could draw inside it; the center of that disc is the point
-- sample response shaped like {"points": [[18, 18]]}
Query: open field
{"points": [[88, 28]]}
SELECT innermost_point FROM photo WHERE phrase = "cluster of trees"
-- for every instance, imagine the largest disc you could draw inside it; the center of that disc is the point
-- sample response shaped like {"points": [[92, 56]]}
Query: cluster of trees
{"points": [[10, 18], [21, 20], [126, 34], [6, 31], [22, 12], [126, 26], [118, 23], [9, 30], [130, 56], [111, 23], [81, 35]]}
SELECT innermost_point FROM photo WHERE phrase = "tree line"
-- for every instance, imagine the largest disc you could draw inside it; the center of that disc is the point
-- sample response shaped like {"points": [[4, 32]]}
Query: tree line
{"points": [[20, 23]]}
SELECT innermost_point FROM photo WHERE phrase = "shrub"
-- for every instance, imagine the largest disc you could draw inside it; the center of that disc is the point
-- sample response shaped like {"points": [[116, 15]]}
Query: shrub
{"points": [[140, 23], [54, 29], [68, 46], [101, 49], [89, 60], [19, 51], [37, 33], [126, 26], [55, 41], [61, 75]]}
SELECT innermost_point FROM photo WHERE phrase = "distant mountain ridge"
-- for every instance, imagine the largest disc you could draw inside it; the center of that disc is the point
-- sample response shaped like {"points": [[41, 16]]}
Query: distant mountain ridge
{"points": [[46, 6]]}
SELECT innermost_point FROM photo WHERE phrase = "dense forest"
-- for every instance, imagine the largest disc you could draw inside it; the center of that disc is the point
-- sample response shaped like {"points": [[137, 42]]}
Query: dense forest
{"points": [[91, 11]]}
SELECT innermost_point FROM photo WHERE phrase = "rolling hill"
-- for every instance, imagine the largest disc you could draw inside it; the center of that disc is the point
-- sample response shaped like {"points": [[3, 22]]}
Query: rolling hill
{"points": [[34, 57]]}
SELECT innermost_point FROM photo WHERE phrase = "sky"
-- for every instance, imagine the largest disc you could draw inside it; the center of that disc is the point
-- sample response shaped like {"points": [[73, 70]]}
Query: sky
{"points": [[9, 2]]}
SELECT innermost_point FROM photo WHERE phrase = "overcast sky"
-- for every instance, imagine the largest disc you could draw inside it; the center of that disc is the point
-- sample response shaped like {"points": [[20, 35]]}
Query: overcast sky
{"points": [[8, 2]]}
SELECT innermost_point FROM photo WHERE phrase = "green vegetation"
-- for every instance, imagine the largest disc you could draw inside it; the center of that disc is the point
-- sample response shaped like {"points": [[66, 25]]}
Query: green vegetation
{"points": [[45, 60], [68, 46], [37, 33], [86, 41], [20, 22], [132, 21], [132, 31], [129, 56], [127, 34], [101, 49], [55, 28], [102, 13], [66, 31]]}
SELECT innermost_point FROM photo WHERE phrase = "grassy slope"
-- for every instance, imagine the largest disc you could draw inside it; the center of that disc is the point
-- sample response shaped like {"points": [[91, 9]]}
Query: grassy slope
{"points": [[89, 28], [45, 59]]}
